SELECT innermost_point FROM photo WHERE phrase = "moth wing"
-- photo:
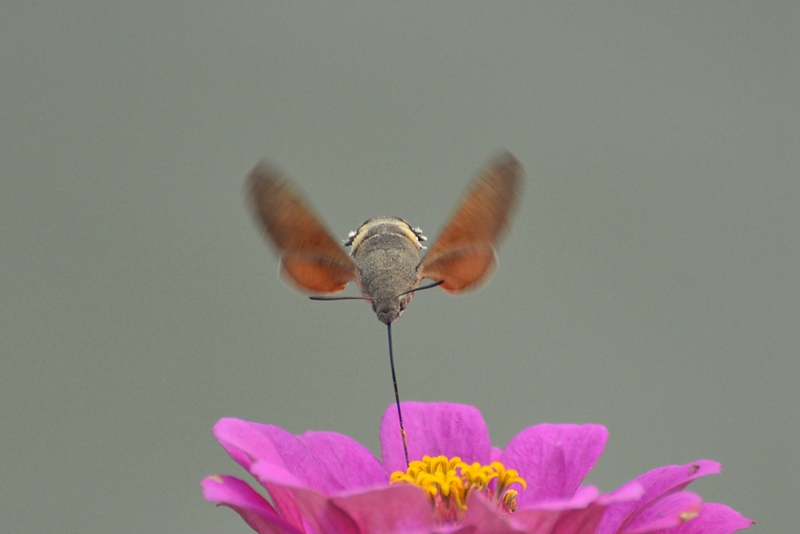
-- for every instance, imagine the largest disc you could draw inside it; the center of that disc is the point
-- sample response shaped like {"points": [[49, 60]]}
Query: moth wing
{"points": [[310, 257], [464, 253]]}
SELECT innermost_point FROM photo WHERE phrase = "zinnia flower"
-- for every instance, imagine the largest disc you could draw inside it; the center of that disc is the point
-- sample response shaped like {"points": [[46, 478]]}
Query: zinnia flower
{"points": [[457, 482]]}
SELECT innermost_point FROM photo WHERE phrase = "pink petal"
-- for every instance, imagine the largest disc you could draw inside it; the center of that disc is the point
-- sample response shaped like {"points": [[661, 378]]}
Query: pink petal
{"points": [[668, 512], [483, 516], [672, 478], [268, 473], [400, 508], [582, 498], [248, 443], [271, 447], [497, 454], [632, 491], [582, 521], [579, 514], [279, 459], [569, 521], [325, 461], [245, 442], [554, 459], [250, 505], [657, 483], [348, 465], [714, 518], [434, 429], [319, 514], [283, 488]]}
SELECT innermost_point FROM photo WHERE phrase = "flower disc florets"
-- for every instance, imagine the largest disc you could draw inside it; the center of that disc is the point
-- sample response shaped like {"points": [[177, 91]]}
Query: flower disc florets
{"points": [[449, 481]]}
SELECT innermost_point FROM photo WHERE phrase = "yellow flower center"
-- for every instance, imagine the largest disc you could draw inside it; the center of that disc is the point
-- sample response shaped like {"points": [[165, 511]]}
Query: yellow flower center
{"points": [[449, 481]]}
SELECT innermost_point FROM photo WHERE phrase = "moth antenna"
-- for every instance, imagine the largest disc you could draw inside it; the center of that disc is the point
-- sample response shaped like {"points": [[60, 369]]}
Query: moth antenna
{"points": [[397, 395], [318, 297], [440, 282]]}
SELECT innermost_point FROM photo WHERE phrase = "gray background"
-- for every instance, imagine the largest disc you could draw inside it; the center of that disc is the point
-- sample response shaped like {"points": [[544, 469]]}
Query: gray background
{"points": [[650, 282]]}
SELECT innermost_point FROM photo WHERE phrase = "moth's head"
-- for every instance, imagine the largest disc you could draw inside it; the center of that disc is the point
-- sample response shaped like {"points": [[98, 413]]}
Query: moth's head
{"points": [[378, 225], [390, 309]]}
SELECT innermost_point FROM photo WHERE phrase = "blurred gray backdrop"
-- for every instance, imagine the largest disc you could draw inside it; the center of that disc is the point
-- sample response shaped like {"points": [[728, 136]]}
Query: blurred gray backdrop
{"points": [[650, 282]]}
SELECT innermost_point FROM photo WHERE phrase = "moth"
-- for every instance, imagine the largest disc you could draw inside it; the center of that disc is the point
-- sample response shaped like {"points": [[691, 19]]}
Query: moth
{"points": [[384, 251]]}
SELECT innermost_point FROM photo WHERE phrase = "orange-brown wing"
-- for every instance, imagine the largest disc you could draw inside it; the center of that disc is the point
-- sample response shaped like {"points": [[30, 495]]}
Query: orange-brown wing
{"points": [[464, 253], [310, 257]]}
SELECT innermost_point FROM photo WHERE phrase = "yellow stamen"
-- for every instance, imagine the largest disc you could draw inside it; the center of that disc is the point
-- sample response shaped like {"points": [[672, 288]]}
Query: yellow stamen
{"points": [[449, 481]]}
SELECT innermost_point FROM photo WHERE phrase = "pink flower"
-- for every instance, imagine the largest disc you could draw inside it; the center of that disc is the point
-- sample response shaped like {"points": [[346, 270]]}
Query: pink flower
{"points": [[326, 482]]}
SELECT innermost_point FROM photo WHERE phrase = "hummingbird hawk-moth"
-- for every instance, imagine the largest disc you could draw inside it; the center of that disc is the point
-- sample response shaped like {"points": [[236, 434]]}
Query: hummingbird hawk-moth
{"points": [[384, 258]]}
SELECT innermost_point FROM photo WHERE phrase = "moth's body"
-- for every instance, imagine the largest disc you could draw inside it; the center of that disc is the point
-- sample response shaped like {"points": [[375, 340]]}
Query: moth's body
{"points": [[386, 252]]}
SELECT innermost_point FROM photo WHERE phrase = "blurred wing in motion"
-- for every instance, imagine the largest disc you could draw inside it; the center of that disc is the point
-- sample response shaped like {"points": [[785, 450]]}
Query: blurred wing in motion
{"points": [[310, 257], [464, 253]]}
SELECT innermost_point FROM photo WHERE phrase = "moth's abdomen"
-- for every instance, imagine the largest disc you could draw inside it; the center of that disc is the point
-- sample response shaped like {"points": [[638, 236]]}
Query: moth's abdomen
{"points": [[386, 252]]}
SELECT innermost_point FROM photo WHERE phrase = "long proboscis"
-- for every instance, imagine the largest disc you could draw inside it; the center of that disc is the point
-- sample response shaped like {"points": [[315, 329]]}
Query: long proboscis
{"points": [[397, 395], [391, 357]]}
